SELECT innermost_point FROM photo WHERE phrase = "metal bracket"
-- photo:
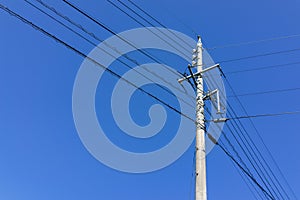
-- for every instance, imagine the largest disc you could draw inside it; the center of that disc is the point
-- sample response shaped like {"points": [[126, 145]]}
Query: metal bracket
{"points": [[220, 120], [198, 73], [210, 95]]}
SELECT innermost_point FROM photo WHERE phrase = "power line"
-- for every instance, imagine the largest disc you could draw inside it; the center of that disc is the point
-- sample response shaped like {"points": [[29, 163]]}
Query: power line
{"points": [[175, 16], [140, 23], [244, 179], [251, 156], [259, 55], [239, 165], [238, 58], [114, 33], [267, 92], [227, 139], [236, 153], [242, 141], [89, 41], [251, 148], [263, 68], [254, 42], [111, 47], [14, 14], [72, 48], [256, 68], [157, 21], [79, 26], [151, 24], [268, 151], [154, 59], [264, 115], [259, 153]]}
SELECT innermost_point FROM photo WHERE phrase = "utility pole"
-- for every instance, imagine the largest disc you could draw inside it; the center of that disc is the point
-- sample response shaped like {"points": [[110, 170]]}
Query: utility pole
{"points": [[200, 183]]}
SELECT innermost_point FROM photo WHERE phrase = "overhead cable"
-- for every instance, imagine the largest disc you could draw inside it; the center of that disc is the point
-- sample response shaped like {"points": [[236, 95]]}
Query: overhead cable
{"points": [[6, 9]]}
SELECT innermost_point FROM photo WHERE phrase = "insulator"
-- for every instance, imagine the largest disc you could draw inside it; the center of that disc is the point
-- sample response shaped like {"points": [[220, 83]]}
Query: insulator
{"points": [[194, 57]]}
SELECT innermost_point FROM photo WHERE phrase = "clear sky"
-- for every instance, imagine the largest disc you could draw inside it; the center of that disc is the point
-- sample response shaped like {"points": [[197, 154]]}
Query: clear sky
{"points": [[42, 156]]}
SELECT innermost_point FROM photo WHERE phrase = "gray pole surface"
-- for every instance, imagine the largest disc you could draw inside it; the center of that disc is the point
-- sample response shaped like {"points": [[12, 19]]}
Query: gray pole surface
{"points": [[200, 188]]}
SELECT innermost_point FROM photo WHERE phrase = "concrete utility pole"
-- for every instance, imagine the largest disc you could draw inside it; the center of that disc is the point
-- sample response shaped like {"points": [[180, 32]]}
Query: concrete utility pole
{"points": [[200, 188], [200, 183]]}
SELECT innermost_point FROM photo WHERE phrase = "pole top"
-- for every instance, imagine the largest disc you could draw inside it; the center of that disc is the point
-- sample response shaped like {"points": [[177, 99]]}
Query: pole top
{"points": [[199, 40]]}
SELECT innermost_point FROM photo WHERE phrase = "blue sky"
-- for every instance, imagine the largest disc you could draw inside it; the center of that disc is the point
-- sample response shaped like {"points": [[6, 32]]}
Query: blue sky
{"points": [[41, 154]]}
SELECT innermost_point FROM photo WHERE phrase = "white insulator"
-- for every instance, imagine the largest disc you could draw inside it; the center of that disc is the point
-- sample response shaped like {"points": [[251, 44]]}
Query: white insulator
{"points": [[194, 57]]}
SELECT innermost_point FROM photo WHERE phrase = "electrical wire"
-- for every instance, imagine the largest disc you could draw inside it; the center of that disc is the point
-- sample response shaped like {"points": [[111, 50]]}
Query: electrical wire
{"points": [[108, 53], [259, 55], [227, 139], [245, 179], [102, 25], [254, 42], [231, 60], [108, 45], [233, 148], [253, 144], [154, 59], [262, 68], [259, 170], [79, 26], [267, 92], [247, 184], [253, 69], [237, 154], [251, 157], [175, 16], [245, 166], [240, 166], [264, 115], [69, 46], [250, 149], [157, 35], [263, 55], [158, 22], [147, 21], [24, 20], [268, 175]]}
